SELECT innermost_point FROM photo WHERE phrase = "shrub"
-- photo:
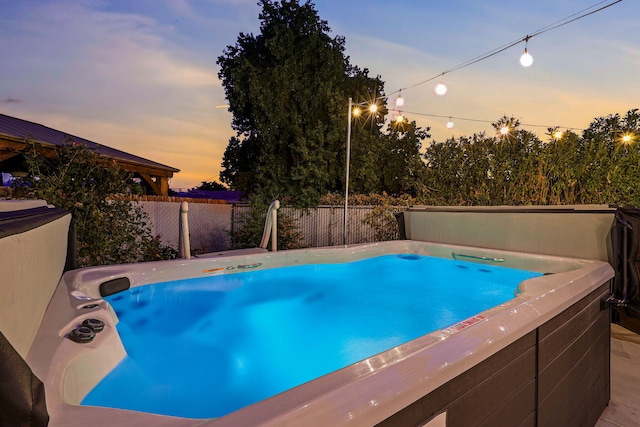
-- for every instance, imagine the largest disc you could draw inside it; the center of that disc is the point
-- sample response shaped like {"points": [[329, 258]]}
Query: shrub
{"points": [[110, 230]]}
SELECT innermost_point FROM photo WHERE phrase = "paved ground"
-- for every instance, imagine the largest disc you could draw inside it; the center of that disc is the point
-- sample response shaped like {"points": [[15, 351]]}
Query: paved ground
{"points": [[624, 406]]}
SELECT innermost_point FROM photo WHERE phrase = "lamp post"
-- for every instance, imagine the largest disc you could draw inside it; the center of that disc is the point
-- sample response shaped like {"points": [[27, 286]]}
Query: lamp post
{"points": [[346, 172], [373, 107]]}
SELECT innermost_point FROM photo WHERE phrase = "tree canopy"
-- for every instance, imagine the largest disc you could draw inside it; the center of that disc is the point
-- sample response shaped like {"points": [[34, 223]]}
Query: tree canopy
{"points": [[287, 89], [211, 186], [600, 166]]}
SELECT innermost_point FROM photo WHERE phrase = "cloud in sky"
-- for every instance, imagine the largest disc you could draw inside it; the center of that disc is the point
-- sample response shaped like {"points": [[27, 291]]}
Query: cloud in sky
{"points": [[117, 79], [141, 76]]}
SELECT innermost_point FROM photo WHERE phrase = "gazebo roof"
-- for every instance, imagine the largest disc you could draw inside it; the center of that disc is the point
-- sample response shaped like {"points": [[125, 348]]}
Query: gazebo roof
{"points": [[15, 127], [15, 132]]}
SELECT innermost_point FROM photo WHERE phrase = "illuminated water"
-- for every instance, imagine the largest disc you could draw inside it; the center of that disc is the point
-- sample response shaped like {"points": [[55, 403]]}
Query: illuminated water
{"points": [[202, 348]]}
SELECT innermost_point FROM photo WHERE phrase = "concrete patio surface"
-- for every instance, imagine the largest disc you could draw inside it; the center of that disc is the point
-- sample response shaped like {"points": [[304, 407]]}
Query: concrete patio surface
{"points": [[624, 406]]}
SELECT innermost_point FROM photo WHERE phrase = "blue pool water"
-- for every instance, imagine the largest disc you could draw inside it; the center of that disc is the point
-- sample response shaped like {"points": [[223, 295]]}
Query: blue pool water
{"points": [[204, 347]]}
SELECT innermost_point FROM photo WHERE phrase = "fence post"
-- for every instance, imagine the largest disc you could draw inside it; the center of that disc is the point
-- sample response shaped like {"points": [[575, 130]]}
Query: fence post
{"points": [[184, 245], [330, 228], [274, 226]]}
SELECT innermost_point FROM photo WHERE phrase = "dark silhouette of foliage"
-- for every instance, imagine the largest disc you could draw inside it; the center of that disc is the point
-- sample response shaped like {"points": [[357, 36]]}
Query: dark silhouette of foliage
{"points": [[284, 91], [211, 186], [287, 89]]}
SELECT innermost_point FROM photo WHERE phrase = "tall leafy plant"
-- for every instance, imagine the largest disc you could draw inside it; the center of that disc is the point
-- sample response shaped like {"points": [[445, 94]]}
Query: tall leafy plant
{"points": [[109, 230], [601, 166]]}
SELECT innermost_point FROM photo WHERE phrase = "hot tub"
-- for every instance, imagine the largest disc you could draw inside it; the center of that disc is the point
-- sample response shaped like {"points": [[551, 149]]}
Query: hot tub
{"points": [[541, 358]]}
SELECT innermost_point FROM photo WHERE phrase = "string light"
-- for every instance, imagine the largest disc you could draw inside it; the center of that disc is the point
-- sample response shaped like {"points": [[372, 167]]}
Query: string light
{"points": [[526, 59], [398, 109], [491, 53], [558, 134], [441, 89], [451, 118]]}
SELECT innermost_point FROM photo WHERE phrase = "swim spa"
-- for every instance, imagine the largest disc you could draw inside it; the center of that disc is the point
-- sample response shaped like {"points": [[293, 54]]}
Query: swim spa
{"points": [[263, 331], [418, 379]]}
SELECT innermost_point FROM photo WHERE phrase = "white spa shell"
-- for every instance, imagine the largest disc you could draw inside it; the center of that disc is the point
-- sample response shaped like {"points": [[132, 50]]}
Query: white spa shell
{"points": [[364, 393]]}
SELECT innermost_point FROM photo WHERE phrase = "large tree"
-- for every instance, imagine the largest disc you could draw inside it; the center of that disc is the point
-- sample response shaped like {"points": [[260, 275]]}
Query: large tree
{"points": [[284, 91]]}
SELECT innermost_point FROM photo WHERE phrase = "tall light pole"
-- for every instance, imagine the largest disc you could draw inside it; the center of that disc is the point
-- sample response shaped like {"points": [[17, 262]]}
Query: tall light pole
{"points": [[346, 172], [372, 107]]}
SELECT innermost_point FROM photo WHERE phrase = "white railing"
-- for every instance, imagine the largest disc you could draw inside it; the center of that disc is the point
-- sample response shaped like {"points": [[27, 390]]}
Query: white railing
{"points": [[184, 244], [271, 227]]}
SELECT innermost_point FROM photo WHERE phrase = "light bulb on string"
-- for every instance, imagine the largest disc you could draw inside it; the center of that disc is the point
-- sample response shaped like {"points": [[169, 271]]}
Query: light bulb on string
{"points": [[526, 59], [450, 124], [441, 89], [398, 110]]}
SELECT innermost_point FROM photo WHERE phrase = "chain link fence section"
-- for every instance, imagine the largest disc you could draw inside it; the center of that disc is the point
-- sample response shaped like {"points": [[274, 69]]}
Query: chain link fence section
{"points": [[209, 224], [323, 225]]}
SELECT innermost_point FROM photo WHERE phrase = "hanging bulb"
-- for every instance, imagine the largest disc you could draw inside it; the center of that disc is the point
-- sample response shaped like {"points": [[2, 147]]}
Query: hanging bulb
{"points": [[504, 130], [450, 124], [441, 89], [400, 101], [399, 118], [526, 59]]}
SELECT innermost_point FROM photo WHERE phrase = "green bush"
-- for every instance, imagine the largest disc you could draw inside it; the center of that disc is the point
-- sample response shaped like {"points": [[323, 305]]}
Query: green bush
{"points": [[110, 230], [600, 166]]}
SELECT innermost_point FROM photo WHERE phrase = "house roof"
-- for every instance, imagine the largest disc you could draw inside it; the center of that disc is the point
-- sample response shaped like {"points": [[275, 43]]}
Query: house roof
{"points": [[14, 127], [230, 196]]}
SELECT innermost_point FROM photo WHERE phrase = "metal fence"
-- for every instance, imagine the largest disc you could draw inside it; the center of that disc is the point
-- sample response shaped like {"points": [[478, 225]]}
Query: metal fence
{"points": [[211, 225], [323, 225]]}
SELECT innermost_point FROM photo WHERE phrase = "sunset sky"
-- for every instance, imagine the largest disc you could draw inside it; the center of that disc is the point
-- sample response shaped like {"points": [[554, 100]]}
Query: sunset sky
{"points": [[141, 75]]}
